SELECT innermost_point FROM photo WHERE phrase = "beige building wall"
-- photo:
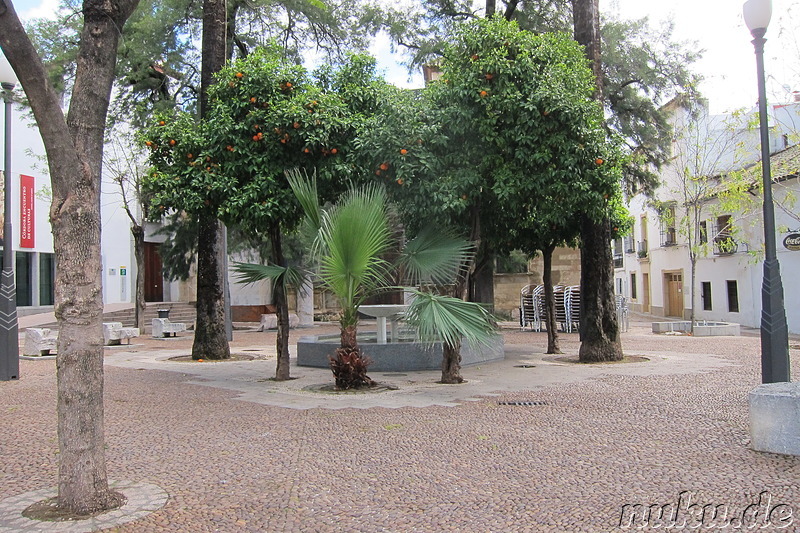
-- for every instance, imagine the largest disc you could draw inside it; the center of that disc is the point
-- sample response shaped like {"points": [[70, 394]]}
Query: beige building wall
{"points": [[507, 287]]}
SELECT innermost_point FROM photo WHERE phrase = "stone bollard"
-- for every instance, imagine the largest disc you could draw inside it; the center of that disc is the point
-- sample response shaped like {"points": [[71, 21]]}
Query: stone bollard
{"points": [[775, 418]]}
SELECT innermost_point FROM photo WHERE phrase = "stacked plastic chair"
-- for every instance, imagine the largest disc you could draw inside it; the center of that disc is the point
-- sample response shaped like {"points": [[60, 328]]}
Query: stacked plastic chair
{"points": [[572, 303], [623, 319], [527, 314]]}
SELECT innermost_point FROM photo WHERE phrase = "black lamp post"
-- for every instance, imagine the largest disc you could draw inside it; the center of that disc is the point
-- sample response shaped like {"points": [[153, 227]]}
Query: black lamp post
{"points": [[774, 331], [9, 330]]}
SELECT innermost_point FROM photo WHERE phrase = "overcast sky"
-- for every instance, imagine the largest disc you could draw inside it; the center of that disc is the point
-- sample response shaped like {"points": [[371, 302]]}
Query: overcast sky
{"points": [[728, 63]]}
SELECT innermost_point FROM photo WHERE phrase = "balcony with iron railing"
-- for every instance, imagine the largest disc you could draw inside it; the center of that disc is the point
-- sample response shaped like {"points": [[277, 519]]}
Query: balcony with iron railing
{"points": [[725, 245], [669, 237]]}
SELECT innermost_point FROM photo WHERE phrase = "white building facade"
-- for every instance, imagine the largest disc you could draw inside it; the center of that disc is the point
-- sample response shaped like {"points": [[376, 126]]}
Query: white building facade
{"points": [[691, 212]]}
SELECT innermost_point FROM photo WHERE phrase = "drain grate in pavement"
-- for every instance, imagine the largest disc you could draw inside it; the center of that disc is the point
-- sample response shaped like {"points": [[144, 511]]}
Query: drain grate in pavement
{"points": [[524, 366], [535, 402]]}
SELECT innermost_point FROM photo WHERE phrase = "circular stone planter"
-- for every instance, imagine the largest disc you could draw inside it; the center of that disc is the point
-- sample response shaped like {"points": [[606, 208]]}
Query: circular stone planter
{"points": [[314, 350]]}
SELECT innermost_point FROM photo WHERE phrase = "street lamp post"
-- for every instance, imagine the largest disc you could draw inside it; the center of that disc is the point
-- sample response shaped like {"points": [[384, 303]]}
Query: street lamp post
{"points": [[774, 331], [9, 330]]}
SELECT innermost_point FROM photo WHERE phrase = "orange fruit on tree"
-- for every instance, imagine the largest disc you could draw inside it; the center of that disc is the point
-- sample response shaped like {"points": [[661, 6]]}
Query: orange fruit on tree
{"points": [[296, 125], [377, 172], [403, 151], [252, 99], [148, 143], [288, 85], [474, 57], [306, 150], [239, 74], [334, 151], [189, 156], [384, 166], [598, 161], [229, 148], [161, 123], [231, 84], [256, 138], [489, 76], [172, 142], [483, 94], [400, 181]]}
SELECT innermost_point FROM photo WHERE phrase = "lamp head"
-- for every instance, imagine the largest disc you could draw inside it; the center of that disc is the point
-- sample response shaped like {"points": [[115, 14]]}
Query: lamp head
{"points": [[757, 14], [7, 75]]}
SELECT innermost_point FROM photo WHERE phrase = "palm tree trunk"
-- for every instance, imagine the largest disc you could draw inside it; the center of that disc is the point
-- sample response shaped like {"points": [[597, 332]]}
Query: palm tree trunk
{"points": [[451, 364]]}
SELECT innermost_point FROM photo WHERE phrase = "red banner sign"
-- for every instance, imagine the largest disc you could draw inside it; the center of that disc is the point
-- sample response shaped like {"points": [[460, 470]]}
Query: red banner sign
{"points": [[26, 198]]}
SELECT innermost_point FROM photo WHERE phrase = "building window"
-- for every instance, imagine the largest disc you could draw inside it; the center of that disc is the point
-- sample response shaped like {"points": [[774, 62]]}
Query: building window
{"points": [[703, 232], [669, 235], [617, 252], [630, 246], [705, 294], [47, 278], [619, 285], [24, 279], [633, 285], [723, 239], [733, 296]]}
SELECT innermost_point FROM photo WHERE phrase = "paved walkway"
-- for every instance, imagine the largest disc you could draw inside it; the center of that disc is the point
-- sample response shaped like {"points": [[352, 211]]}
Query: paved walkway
{"points": [[237, 452]]}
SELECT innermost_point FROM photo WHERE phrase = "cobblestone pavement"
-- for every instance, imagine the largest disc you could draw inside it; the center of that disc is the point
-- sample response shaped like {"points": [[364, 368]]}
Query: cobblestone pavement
{"points": [[451, 458]]}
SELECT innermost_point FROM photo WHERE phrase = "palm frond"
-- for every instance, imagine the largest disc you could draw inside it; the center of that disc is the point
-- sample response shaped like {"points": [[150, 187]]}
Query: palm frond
{"points": [[354, 234], [434, 256], [449, 319], [305, 190], [252, 273]]}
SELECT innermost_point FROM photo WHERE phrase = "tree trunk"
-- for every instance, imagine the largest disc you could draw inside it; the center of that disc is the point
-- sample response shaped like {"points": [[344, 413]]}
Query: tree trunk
{"points": [[74, 152], [451, 355], [481, 288], [210, 340], [214, 47], [491, 7], [599, 327], [281, 308], [693, 262], [550, 300], [138, 250], [586, 21], [451, 364]]}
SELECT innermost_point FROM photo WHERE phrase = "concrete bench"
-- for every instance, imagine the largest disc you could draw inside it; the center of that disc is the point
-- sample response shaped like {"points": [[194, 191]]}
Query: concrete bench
{"points": [[162, 327], [39, 341], [115, 332], [270, 321]]}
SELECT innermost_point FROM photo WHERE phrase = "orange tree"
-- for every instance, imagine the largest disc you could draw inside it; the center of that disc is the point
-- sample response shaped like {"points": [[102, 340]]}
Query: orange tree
{"points": [[267, 115], [507, 138]]}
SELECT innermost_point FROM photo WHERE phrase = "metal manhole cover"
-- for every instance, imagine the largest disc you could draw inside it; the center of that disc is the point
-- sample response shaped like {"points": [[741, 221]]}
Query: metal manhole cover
{"points": [[524, 366], [535, 402]]}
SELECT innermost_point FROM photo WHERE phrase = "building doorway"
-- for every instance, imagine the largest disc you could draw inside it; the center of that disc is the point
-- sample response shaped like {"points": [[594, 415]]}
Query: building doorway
{"points": [[673, 283], [645, 292], [153, 275]]}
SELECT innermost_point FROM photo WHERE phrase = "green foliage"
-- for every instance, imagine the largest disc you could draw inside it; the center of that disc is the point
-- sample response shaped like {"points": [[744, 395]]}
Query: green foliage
{"points": [[509, 134], [57, 44], [267, 115], [643, 67]]}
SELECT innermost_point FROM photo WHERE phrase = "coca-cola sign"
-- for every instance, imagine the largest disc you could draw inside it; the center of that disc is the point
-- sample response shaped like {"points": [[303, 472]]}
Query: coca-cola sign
{"points": [[792, 242]]}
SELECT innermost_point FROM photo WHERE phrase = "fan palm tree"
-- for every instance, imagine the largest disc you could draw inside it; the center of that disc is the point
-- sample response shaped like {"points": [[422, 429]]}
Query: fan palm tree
{"points": [[351, 239]]}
